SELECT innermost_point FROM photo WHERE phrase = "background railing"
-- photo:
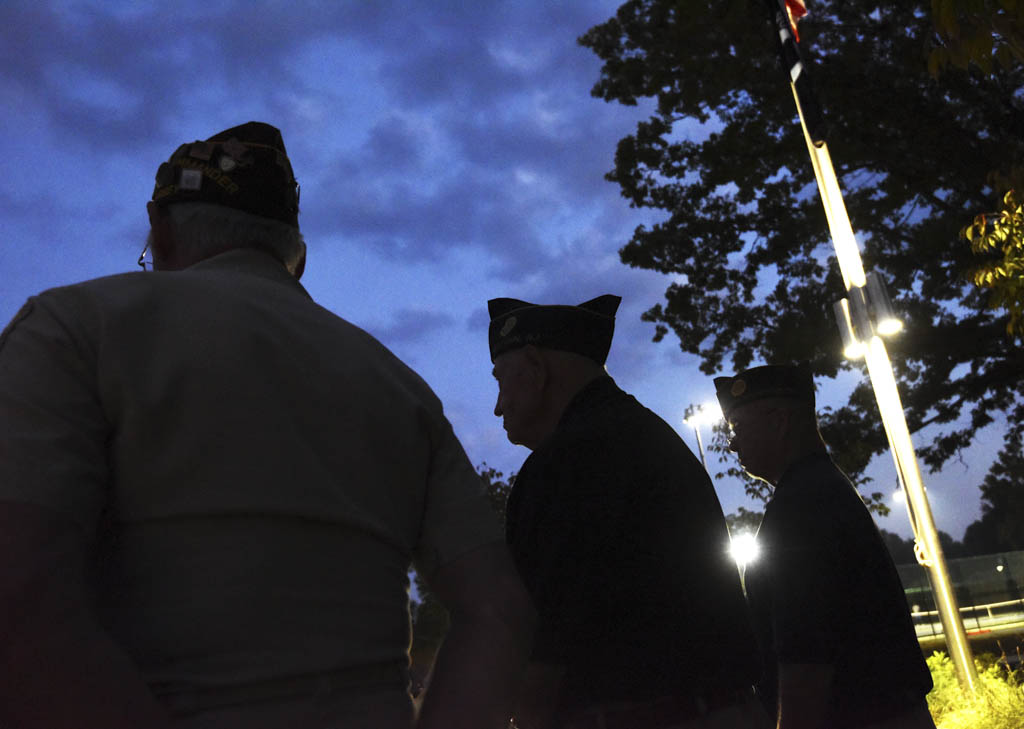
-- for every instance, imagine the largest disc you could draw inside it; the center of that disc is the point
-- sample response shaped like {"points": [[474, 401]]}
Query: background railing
{"points": [[989, 590]]}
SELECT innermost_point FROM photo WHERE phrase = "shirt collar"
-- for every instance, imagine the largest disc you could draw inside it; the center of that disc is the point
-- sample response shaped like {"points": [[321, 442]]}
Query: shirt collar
{"points": [[592, 396], [807, 461], [249, 261]]}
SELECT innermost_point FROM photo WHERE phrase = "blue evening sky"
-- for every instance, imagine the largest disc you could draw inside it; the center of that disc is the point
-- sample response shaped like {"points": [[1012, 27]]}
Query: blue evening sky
{"points": [[448, 153]]}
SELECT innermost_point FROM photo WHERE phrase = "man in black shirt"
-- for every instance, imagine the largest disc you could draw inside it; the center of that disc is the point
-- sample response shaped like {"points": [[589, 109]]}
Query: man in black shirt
{"points": [[619, 537], [837, 641]]}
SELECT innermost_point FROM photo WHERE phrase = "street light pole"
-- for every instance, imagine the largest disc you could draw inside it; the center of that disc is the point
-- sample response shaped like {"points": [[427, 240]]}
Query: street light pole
{"points": [[883, 382], [710, 412], [862, 316], [700, 446]]}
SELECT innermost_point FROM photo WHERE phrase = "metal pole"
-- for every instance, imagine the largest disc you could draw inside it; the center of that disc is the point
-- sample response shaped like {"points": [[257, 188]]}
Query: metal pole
{"points": [[700, 446], [883, 382], [887, 395]]}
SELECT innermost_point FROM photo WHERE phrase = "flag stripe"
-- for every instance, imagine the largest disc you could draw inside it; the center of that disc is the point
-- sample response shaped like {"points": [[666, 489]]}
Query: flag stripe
{"points": [[789, 51], [795, 9]]}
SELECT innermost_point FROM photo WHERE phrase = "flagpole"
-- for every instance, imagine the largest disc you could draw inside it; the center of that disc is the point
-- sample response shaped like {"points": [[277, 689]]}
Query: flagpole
{"points": [[883, 382]]}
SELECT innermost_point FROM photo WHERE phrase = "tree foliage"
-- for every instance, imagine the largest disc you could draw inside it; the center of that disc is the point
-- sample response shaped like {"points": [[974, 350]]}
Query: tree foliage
{"points": [[744, 521], [986, 33], [744, 234], [496, 487], [989, 34], [901, 550], [1001, 527], [1001, 245]]}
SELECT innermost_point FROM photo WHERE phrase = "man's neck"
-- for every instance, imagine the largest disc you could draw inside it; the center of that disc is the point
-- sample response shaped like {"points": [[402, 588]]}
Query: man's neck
{"points": [[569, 387], [799, 452]]}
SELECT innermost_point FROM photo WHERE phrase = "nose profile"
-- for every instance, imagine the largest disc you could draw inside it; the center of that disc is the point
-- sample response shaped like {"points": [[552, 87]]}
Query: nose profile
{"points": [[497, 407]]}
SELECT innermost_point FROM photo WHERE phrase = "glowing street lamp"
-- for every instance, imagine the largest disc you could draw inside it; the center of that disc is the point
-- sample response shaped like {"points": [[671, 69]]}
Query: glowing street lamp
{"points": [[865, 312], [706, 414], [885, 319]]}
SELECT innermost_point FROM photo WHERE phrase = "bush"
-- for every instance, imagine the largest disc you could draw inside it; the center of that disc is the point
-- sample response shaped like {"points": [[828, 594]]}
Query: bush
{"points": [[998, 705]]}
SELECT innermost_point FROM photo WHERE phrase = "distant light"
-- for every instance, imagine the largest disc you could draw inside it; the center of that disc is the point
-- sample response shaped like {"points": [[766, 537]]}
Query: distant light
{"points": [[899, 497], [999, 568], [743, 548], [709, 412]]}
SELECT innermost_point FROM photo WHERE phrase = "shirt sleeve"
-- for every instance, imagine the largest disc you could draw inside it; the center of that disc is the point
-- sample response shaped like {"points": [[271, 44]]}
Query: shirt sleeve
{"points": [[805, 584], [573, 560], [458, 516], [53, 431]]}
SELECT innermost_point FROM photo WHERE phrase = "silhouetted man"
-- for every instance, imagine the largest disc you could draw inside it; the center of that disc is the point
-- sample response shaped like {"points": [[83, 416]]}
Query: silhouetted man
{"points": [[212, 490], [837, 640], [618, 534]]}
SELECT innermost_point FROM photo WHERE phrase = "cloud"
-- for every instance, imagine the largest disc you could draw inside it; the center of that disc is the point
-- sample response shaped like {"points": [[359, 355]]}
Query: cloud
{"points": [[413, 326], [405, 219], [472, 136]]}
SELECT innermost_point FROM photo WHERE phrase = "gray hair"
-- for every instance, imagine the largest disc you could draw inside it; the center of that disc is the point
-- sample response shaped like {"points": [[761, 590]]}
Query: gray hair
{"points": [[203, 230]]}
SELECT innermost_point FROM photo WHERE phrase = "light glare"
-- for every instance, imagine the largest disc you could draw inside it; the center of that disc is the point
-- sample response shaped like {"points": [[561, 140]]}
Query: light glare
{"points": [[854, 351], [743, 548], [853, 348], [709, 412], [888, 327]]}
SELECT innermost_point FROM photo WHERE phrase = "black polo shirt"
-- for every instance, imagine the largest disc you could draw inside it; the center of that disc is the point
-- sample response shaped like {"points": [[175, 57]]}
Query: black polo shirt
{"points": [[824, 590], [621, 541]]}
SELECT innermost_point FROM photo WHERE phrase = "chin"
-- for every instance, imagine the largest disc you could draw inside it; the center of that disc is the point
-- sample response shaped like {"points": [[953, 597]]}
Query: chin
{"points": [[518, 440]]}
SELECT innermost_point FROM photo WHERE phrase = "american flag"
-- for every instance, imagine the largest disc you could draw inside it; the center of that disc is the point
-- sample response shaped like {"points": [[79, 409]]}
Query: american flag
{"points": [[785, 13], [796, 9]]}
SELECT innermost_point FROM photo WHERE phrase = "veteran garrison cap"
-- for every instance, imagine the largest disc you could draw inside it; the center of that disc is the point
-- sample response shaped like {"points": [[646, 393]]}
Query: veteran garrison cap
{"points": [[584, 329], [244, 167], [756, 383]]}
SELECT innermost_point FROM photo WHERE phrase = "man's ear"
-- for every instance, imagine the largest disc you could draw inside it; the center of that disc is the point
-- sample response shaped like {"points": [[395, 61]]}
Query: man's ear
{"points": [[787, 422], [537, 366], [154, 212], [300, 266], [159, 240]]}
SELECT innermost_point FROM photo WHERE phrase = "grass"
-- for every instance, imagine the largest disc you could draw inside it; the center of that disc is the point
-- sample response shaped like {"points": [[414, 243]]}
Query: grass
{"points": [[998, 705]]}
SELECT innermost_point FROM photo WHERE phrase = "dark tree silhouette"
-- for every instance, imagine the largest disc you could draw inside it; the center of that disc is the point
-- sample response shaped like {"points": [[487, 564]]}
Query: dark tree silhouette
{"points": [[743, 231], [1001, 526]]}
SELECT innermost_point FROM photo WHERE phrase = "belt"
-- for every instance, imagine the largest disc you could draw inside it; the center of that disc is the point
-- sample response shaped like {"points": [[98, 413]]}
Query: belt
{"points": [[657, 713], [192, 700]]}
